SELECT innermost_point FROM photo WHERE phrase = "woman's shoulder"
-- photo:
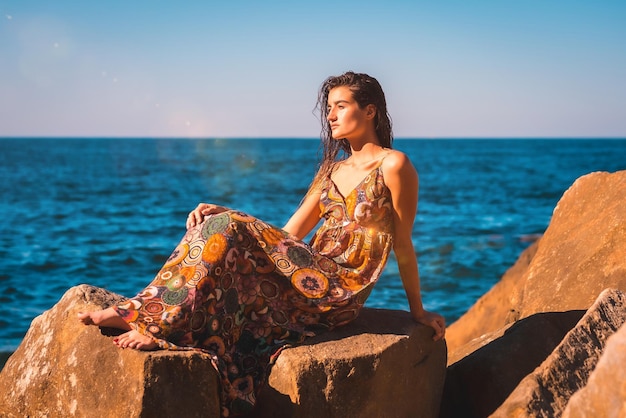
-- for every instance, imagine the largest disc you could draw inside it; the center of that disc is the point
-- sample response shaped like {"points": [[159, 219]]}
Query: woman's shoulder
{"points": [[397, 161], [398, 172]]}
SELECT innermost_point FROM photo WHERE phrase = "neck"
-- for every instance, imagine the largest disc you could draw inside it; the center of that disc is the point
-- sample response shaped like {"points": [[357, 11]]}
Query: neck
{"points": [[366, 153]]}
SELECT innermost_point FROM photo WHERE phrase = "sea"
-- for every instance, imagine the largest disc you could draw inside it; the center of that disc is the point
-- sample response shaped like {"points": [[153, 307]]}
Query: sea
{"points": [[109, 211]]}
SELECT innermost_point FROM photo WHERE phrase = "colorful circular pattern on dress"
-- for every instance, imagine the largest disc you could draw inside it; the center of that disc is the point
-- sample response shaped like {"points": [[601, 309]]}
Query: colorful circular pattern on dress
{"points": [[214, 249], [310, 283], [215, 224], [283, 263], [327, 265], [215, 344], [249, 363], [280, 318], [241, 216], [271, 236], [199, 272], [195, 253], [269, 289], [154, 308], [178, 255], [175, 297], [259, 225], [198, 319], [153, 329], [301, 256], [337, 292], [176, 282], [214, 325]]}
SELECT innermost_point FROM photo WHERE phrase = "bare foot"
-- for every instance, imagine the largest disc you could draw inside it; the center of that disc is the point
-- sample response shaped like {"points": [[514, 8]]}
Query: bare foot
{"points": [[134, 339], [105, 318]]}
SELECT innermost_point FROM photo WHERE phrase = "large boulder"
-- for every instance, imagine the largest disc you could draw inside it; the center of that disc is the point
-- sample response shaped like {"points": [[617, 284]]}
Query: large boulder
{"points": [[383, 364], [383, 361], [582, 252], [546, 391], [65, 369]]}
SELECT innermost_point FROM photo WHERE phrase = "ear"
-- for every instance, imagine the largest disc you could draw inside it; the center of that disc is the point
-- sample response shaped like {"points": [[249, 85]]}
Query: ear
{"points": [[370, 111]]}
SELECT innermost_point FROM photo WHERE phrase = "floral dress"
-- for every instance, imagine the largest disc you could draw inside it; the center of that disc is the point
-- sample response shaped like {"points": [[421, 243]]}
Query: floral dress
{"points": [[241, 289]]}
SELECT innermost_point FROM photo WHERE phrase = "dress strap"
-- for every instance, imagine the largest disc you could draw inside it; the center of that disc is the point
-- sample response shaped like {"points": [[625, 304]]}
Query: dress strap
{"points": [[381, 159]]}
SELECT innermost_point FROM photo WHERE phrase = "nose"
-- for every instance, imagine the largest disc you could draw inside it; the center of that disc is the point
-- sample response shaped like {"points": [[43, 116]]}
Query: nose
{"points": [[331, 115]]}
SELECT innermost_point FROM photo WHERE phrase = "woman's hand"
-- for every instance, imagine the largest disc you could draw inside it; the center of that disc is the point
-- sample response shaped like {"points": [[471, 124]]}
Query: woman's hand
{"points": [[433, 320], [197, 215]]}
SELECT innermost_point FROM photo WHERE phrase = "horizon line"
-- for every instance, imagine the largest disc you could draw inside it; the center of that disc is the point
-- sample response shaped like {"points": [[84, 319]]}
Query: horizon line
{"points": [[402, 138]]}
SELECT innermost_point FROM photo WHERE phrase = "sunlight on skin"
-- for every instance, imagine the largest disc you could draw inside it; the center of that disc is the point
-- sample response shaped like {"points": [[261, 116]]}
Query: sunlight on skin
{"points": [[109, 318], [135, 340]]}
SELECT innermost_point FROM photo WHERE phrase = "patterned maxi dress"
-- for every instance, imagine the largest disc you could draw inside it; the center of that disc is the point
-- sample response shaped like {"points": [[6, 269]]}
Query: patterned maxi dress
{"points": [[240, 289]]}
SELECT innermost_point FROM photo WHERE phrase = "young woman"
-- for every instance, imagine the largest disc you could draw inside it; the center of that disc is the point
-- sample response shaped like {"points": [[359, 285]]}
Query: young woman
{"points": [[240, 289]]}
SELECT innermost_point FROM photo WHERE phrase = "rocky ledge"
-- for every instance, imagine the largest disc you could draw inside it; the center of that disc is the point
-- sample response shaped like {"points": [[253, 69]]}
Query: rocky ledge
{"points": [[371, 368]]}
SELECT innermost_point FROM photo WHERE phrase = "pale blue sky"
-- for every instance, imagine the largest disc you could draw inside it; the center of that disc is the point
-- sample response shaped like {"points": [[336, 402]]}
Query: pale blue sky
{"points": [[252, 68]]}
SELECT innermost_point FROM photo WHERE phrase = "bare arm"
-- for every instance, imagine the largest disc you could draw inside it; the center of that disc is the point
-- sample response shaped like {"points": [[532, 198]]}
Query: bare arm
{"points": [[402, 180], [306, 217]]}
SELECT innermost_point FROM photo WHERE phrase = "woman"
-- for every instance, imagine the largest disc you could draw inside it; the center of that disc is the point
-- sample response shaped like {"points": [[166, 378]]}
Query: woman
{"points": [[241, 289]]}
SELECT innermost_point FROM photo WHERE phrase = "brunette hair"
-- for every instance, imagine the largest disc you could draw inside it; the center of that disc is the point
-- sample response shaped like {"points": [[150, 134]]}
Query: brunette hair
{"points": [[365, 90]]}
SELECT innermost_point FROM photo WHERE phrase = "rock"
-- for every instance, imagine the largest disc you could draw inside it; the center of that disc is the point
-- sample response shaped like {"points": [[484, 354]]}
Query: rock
{"points": [[372, 367], [582, 252], [381, 365], [477, 384], [605, 393], [547, 390], [65, 369]]}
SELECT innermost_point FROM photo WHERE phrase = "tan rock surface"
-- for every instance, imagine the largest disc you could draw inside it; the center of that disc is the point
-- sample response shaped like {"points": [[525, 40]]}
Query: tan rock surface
{"points": [[382, 365], [546, 391], [605, 393], [65, 369], [582, 252]]}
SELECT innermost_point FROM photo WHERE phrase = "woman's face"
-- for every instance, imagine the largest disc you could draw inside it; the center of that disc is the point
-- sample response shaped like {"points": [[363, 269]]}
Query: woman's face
{"points": [[347, 120]]}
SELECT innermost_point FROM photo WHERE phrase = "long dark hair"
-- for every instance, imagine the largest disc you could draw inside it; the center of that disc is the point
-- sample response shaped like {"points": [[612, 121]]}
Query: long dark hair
{"points": [[365, 90]]}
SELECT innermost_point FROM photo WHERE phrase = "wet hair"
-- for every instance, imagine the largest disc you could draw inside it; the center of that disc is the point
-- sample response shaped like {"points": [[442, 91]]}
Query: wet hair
{"points": [[365, 90]]}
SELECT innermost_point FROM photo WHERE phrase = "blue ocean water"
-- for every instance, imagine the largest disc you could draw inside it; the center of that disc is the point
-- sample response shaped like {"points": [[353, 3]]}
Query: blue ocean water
{"points": [[108, 212]]}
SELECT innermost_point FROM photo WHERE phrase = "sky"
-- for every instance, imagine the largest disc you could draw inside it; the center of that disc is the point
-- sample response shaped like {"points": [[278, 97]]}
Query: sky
{"points": [[239, 68]]}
